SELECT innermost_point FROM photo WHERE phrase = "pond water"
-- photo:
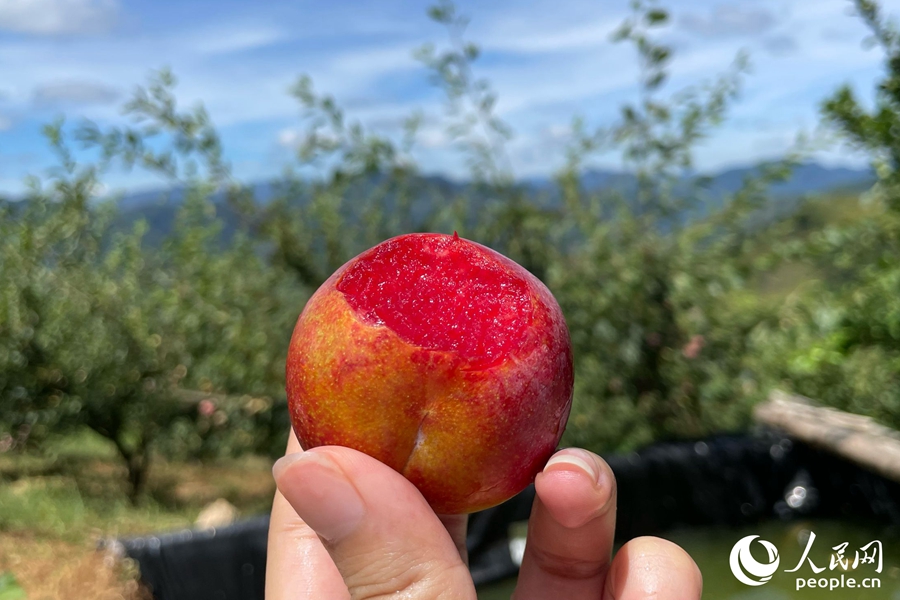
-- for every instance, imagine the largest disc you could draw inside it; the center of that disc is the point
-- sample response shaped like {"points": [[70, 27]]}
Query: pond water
{"points": [[711, 549]]}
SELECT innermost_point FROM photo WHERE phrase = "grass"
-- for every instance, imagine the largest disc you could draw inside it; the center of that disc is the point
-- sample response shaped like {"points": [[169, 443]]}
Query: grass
{"points": [[57, 505], [9, 588]]}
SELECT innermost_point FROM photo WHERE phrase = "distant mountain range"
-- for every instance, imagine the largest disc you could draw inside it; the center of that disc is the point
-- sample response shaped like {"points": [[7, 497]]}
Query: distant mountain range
{"points": [[158, 207], [807, 178]]}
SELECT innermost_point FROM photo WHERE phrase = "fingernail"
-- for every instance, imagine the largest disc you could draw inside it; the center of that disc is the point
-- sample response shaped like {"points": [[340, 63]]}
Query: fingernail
{"points": [[281, 465], [320, 493], [577, 457]]}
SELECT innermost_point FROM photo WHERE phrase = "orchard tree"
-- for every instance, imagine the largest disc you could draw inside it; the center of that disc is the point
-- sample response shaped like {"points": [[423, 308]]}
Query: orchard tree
{"points": [[99, 330], [838, 338]]}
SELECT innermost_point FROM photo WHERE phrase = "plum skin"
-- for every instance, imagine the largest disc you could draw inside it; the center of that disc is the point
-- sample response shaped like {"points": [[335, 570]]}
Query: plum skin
{"points": [[468, 435]]}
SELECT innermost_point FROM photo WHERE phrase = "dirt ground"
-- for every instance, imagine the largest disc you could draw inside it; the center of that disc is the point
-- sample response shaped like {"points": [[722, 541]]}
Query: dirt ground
{"points": [[50, 570]]}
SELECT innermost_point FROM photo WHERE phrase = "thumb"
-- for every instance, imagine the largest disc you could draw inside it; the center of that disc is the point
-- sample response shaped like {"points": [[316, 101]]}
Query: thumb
{"points": [[380, 532]]}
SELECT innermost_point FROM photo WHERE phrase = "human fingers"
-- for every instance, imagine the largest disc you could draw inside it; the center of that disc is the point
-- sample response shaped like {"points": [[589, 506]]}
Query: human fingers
{"points": [[571, 529], [297, 565], [380, 532], [652, 568]]}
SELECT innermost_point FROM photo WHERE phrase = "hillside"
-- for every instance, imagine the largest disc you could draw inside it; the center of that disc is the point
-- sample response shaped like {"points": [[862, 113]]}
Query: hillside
{"points": [[159, 207]]}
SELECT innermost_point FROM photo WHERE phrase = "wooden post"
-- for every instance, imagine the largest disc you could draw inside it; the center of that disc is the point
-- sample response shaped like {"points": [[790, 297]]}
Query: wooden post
{"points": [[854, 437]]}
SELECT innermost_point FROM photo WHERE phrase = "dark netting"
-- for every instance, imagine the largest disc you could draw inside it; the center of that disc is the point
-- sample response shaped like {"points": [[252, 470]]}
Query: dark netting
{"points": [[723, 481], [215, 564]]}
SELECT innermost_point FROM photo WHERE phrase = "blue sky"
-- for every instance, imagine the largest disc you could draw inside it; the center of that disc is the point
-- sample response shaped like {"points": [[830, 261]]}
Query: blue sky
{"points": [[547, 59]]}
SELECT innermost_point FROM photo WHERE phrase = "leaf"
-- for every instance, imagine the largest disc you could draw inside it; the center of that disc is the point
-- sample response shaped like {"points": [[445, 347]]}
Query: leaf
{"points": [[656, 17]]}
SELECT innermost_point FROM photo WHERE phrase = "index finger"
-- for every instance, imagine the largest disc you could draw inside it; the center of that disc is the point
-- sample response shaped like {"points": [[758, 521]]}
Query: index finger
{"points": [[297, 565]]}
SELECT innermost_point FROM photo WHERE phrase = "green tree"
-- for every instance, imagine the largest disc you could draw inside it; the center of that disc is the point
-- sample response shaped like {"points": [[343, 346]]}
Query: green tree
{"points": [[838, 339], [657, 290], [98, 330]]}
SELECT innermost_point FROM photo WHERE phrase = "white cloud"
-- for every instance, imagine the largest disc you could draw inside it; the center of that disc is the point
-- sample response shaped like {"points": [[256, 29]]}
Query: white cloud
{"points": [[557, 133], [780, 45], [374, 62], [546, 63], [433, 137], [5, 123], [292, 137], [53, 17], [228, 41], [288, 138], [73, 93], [730, 20], [573, 37]]}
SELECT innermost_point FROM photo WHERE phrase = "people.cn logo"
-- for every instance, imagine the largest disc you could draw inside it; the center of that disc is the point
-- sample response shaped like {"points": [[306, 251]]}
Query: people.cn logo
{"points": [[747, 569]]}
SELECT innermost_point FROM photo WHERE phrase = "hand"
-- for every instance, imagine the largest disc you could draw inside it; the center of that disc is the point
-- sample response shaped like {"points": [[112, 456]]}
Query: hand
{"points": [[347, 526]]}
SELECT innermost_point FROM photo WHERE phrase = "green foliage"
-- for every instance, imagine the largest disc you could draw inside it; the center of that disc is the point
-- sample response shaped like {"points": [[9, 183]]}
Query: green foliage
{"points": [[97, 331], [876, 131], [71, 491], [838, 339], [656, 301], [154, 111]]}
